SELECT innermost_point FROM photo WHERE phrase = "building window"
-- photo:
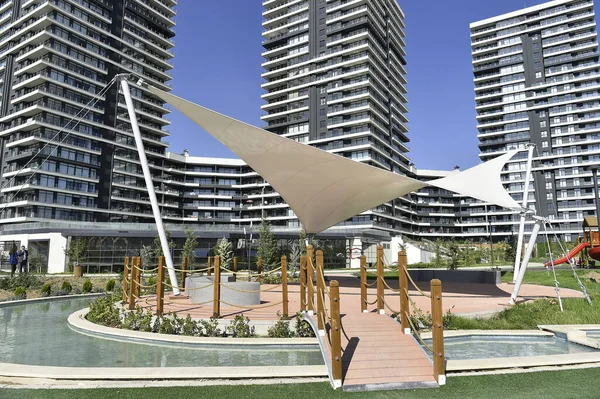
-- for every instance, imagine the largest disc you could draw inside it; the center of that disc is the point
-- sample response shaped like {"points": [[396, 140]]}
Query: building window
{"points": [[542, 123], [549, 196], [544, 144], [538, 75], [544, 133], [542, 114], [549, 185]]}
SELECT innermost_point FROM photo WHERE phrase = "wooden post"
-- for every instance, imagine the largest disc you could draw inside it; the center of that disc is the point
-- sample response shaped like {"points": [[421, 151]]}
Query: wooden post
{"points": [[310, 287], [380, 280], [184, 268], [259, 266], [363, 284], [132, 281], [138, 277], [403, 284], [284, 285], [336, 334], [125, 279], [235, 260], [320, 291], [437, 327], [160, 287], [209, 271], [217, 288], [303, 282]]}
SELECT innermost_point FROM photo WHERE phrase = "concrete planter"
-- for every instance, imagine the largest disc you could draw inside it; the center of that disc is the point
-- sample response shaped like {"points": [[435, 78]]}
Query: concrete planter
{"points": [[78, 271]]}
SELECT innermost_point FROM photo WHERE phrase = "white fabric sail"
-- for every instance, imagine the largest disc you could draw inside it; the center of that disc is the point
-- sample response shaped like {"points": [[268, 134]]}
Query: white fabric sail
{"points": [[482, 182], [322, 189]]}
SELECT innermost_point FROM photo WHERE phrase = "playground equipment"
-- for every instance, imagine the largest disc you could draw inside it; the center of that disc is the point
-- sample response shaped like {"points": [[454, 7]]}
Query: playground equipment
{"points": [[589, 244]]}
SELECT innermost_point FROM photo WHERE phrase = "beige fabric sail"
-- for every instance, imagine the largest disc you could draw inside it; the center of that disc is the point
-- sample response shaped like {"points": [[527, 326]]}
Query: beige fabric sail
{"points": [[482, 182], [322, 189]]}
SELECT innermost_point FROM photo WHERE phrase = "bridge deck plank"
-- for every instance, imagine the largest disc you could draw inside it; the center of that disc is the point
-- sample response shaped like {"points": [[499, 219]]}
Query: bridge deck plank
{"points": [[376, 352]]}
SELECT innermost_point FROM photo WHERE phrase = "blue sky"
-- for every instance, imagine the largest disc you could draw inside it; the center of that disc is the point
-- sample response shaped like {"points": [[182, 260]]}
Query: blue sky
{"points": [[218, 56]]}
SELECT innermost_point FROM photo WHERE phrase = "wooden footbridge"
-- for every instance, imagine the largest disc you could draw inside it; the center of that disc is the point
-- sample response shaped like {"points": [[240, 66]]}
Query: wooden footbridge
{"points": [[366, 350], [370, 350]]}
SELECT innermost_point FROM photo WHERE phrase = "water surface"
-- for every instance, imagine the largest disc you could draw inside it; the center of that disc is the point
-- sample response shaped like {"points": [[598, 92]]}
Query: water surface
{"points": [[38, 334]]}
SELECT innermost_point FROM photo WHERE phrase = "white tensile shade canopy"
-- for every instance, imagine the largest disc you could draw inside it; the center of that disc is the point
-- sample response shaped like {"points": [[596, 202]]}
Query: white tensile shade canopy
{"points": [[321, 188], [482, 182]]}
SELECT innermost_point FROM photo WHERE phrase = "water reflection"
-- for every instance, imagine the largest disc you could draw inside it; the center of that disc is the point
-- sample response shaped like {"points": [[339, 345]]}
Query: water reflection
{"points": [[38, 334]]}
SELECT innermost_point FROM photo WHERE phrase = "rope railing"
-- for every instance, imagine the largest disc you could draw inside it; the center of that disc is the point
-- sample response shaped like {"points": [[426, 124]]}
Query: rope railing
{"points": [[215, 269]]}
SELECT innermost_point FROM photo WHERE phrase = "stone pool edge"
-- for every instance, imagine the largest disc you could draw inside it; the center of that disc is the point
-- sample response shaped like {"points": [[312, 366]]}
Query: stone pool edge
{"points": [[6, 304], [78, 323], [159, 373]]}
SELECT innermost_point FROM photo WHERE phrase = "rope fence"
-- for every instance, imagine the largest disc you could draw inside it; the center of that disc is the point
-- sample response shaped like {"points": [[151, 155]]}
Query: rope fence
{"points": [[132, 284]]}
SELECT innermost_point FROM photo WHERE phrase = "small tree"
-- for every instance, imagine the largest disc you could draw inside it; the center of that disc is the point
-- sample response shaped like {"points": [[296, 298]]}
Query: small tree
{"points": [[302, 240], [76, 251], [453, 255], [157, 247], [147, 254], [438, 260], [294, 262], [191, 241], [224, 252], [267, 245]]}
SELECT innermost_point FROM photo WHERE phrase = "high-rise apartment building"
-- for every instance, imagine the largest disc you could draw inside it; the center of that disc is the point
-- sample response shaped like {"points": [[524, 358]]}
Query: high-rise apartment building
{"points": [[335, 79], [55, 56], [537, 80]]}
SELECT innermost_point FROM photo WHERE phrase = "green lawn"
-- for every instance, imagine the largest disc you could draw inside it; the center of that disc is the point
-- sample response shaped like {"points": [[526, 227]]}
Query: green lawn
{"points": [[546, 311], [567, 384]]}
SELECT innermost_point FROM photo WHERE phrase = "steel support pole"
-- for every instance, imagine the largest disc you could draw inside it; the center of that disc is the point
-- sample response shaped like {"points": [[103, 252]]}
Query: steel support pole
{"points": [[520, 237], [523, 268], [150, 186]]}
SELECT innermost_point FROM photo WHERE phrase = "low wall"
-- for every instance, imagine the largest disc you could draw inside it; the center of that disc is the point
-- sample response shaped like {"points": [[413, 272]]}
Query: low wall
{"points": [[201, 290], [457, 276]]}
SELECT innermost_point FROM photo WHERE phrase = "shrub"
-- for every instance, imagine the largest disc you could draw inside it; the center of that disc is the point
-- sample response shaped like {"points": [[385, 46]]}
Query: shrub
{"points": [[110, 285], [20, 293], [240, 327], [211, 327], [102, 311], [46, 290], [167, 325], [67, 287], [281, 329], [302, 327], [87, 286], [190, 327], [146, 322], [25, 280], [272, 279], [132, 320]]}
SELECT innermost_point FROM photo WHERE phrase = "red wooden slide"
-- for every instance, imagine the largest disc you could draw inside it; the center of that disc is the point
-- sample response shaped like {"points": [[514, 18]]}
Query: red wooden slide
{"points": [[572, 254]]}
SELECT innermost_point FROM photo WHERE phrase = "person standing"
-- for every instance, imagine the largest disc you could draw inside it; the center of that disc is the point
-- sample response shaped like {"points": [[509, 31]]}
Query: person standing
{"points": [[13, 259], [23, 256]]}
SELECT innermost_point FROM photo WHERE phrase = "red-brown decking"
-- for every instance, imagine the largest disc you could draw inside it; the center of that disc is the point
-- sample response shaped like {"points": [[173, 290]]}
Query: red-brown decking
{"points": [[376, 355]]}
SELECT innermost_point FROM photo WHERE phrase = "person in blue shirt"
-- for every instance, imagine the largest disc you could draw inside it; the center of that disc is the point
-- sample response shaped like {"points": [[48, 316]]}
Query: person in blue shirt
{"points": [[13, 259]]}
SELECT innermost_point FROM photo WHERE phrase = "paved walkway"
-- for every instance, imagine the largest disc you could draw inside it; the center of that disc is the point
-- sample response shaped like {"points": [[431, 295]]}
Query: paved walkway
{"points": [[465, 299]]}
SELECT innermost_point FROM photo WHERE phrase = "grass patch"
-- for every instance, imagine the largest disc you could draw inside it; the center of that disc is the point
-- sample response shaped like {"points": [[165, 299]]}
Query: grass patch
{"points": [[578, 384], [529, 315]]}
